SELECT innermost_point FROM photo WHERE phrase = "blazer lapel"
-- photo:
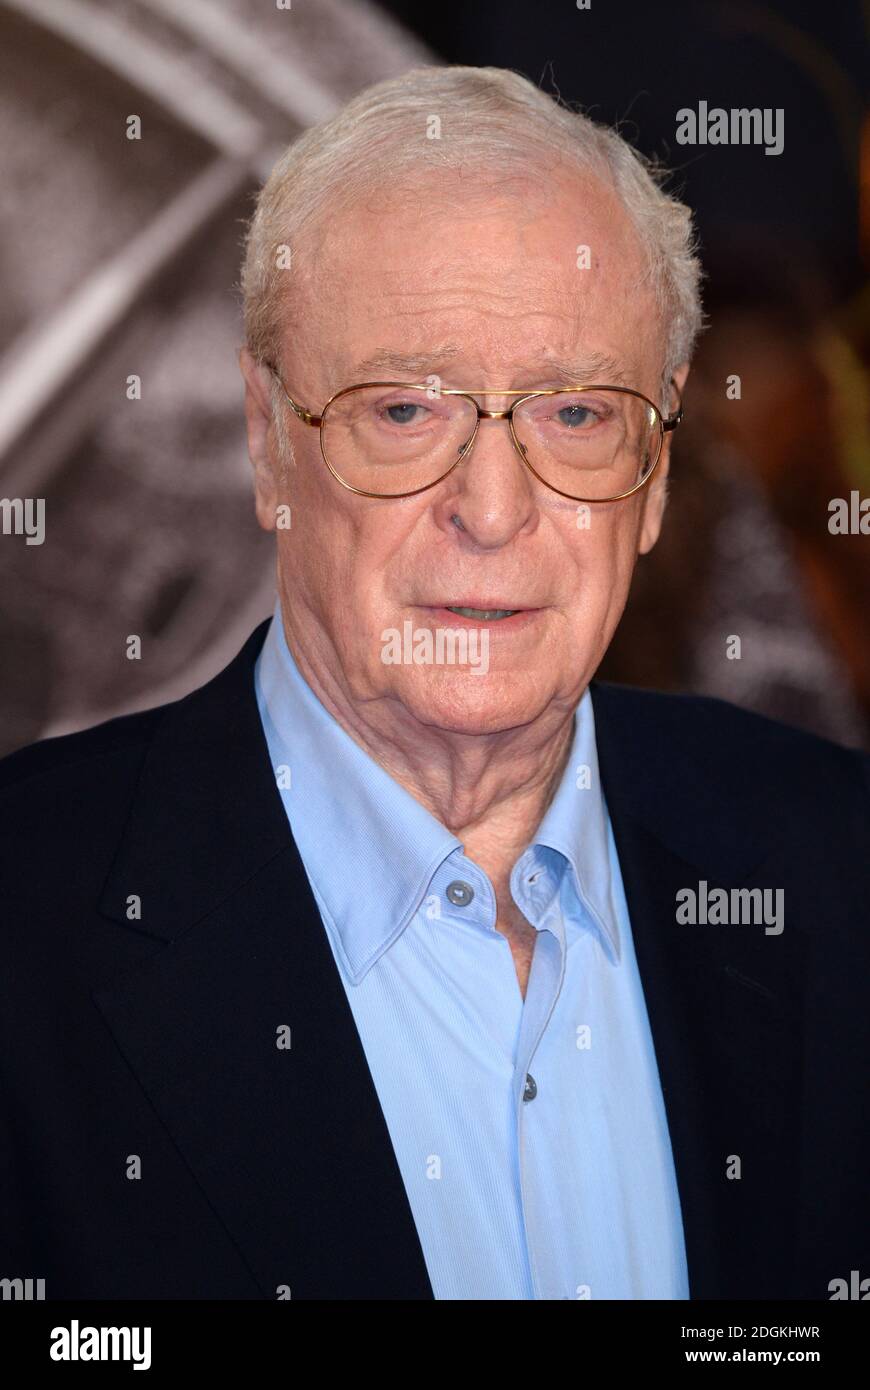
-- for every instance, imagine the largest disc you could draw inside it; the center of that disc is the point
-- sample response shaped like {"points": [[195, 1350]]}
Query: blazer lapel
{"points": [[289, 1144], [721, 1002]]}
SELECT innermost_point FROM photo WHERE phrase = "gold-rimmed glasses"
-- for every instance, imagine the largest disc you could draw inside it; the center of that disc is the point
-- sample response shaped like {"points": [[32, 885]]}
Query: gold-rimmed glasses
{"points": [[590, 443]]}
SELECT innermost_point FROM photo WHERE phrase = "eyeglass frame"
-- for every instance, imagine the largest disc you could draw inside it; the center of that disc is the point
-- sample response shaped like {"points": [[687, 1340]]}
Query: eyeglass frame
{"points": [[666, 424]]}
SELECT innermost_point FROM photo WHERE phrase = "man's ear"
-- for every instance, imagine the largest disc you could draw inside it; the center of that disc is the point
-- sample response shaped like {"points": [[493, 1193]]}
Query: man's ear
{"points": [[258, 416], [657, 492]]}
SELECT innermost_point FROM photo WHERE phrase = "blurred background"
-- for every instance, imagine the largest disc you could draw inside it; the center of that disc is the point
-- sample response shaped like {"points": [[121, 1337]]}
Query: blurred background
{"points": [[121, 257]]}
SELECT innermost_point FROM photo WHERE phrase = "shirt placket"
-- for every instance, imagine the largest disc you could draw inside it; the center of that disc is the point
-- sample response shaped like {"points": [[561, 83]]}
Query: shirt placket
{"points": [[540, 901]]}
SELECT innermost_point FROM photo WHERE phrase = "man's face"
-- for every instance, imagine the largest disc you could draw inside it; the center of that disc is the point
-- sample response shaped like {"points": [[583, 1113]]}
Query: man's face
{"points": [[494, 276]]}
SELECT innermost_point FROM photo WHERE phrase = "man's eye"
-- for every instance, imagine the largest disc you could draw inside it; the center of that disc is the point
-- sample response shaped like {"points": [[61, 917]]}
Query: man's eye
{"points": [[402, 413], [577, 416]]}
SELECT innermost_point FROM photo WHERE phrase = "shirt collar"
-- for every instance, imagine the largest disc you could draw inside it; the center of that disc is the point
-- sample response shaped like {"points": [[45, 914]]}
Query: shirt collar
{"points": [[370, 849], [577, 826]]}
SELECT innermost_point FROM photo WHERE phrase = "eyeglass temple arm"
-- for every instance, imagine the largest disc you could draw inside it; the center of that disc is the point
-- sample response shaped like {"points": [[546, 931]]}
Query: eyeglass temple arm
{"points": [[304, 415], [673, 420]]}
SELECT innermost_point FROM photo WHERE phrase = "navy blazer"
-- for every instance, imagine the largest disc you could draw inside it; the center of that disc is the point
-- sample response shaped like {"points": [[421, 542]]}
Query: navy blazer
{"points": [[263, 1170]]}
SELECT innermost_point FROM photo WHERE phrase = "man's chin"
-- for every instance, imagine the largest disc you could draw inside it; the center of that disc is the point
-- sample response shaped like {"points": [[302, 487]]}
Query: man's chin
{"points": [[464, 703]]}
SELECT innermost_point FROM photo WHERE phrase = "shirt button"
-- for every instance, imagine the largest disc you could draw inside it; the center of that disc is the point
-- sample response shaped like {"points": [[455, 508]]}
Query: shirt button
{"points": [[531, 1087], [459, 893]]}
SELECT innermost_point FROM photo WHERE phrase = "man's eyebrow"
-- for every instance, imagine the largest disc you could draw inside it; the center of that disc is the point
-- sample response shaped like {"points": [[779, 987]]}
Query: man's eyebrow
{"points": [[593, 367], [405, 363]]}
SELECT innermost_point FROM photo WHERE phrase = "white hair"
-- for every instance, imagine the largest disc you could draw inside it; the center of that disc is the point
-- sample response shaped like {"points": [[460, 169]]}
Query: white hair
{"points": [[491, 119]]}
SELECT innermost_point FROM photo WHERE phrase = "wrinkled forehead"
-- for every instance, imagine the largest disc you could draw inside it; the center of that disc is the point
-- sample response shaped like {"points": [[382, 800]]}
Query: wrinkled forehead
{"points": [[498, 265], [407, 223]]}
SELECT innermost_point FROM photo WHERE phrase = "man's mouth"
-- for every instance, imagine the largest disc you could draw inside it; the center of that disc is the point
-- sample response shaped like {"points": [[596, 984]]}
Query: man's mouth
{"points": [[483, 614], [494, 614]]}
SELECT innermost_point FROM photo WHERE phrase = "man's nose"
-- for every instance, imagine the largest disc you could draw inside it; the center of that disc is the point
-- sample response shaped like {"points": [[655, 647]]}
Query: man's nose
{"points": [[493, 491]]}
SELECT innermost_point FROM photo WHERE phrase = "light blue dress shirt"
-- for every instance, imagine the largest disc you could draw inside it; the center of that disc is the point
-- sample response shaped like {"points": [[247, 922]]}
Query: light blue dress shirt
{"points": [[568, 1194]]}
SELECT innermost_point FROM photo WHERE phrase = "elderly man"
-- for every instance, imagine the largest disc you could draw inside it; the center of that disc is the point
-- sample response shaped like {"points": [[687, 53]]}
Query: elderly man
{"points": [[403, 960]]}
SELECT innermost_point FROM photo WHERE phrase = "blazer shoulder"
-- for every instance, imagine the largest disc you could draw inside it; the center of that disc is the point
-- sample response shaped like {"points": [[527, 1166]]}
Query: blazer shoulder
{"points": [[728, 742], [64, 803], [124, 739], [76, 756]]}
